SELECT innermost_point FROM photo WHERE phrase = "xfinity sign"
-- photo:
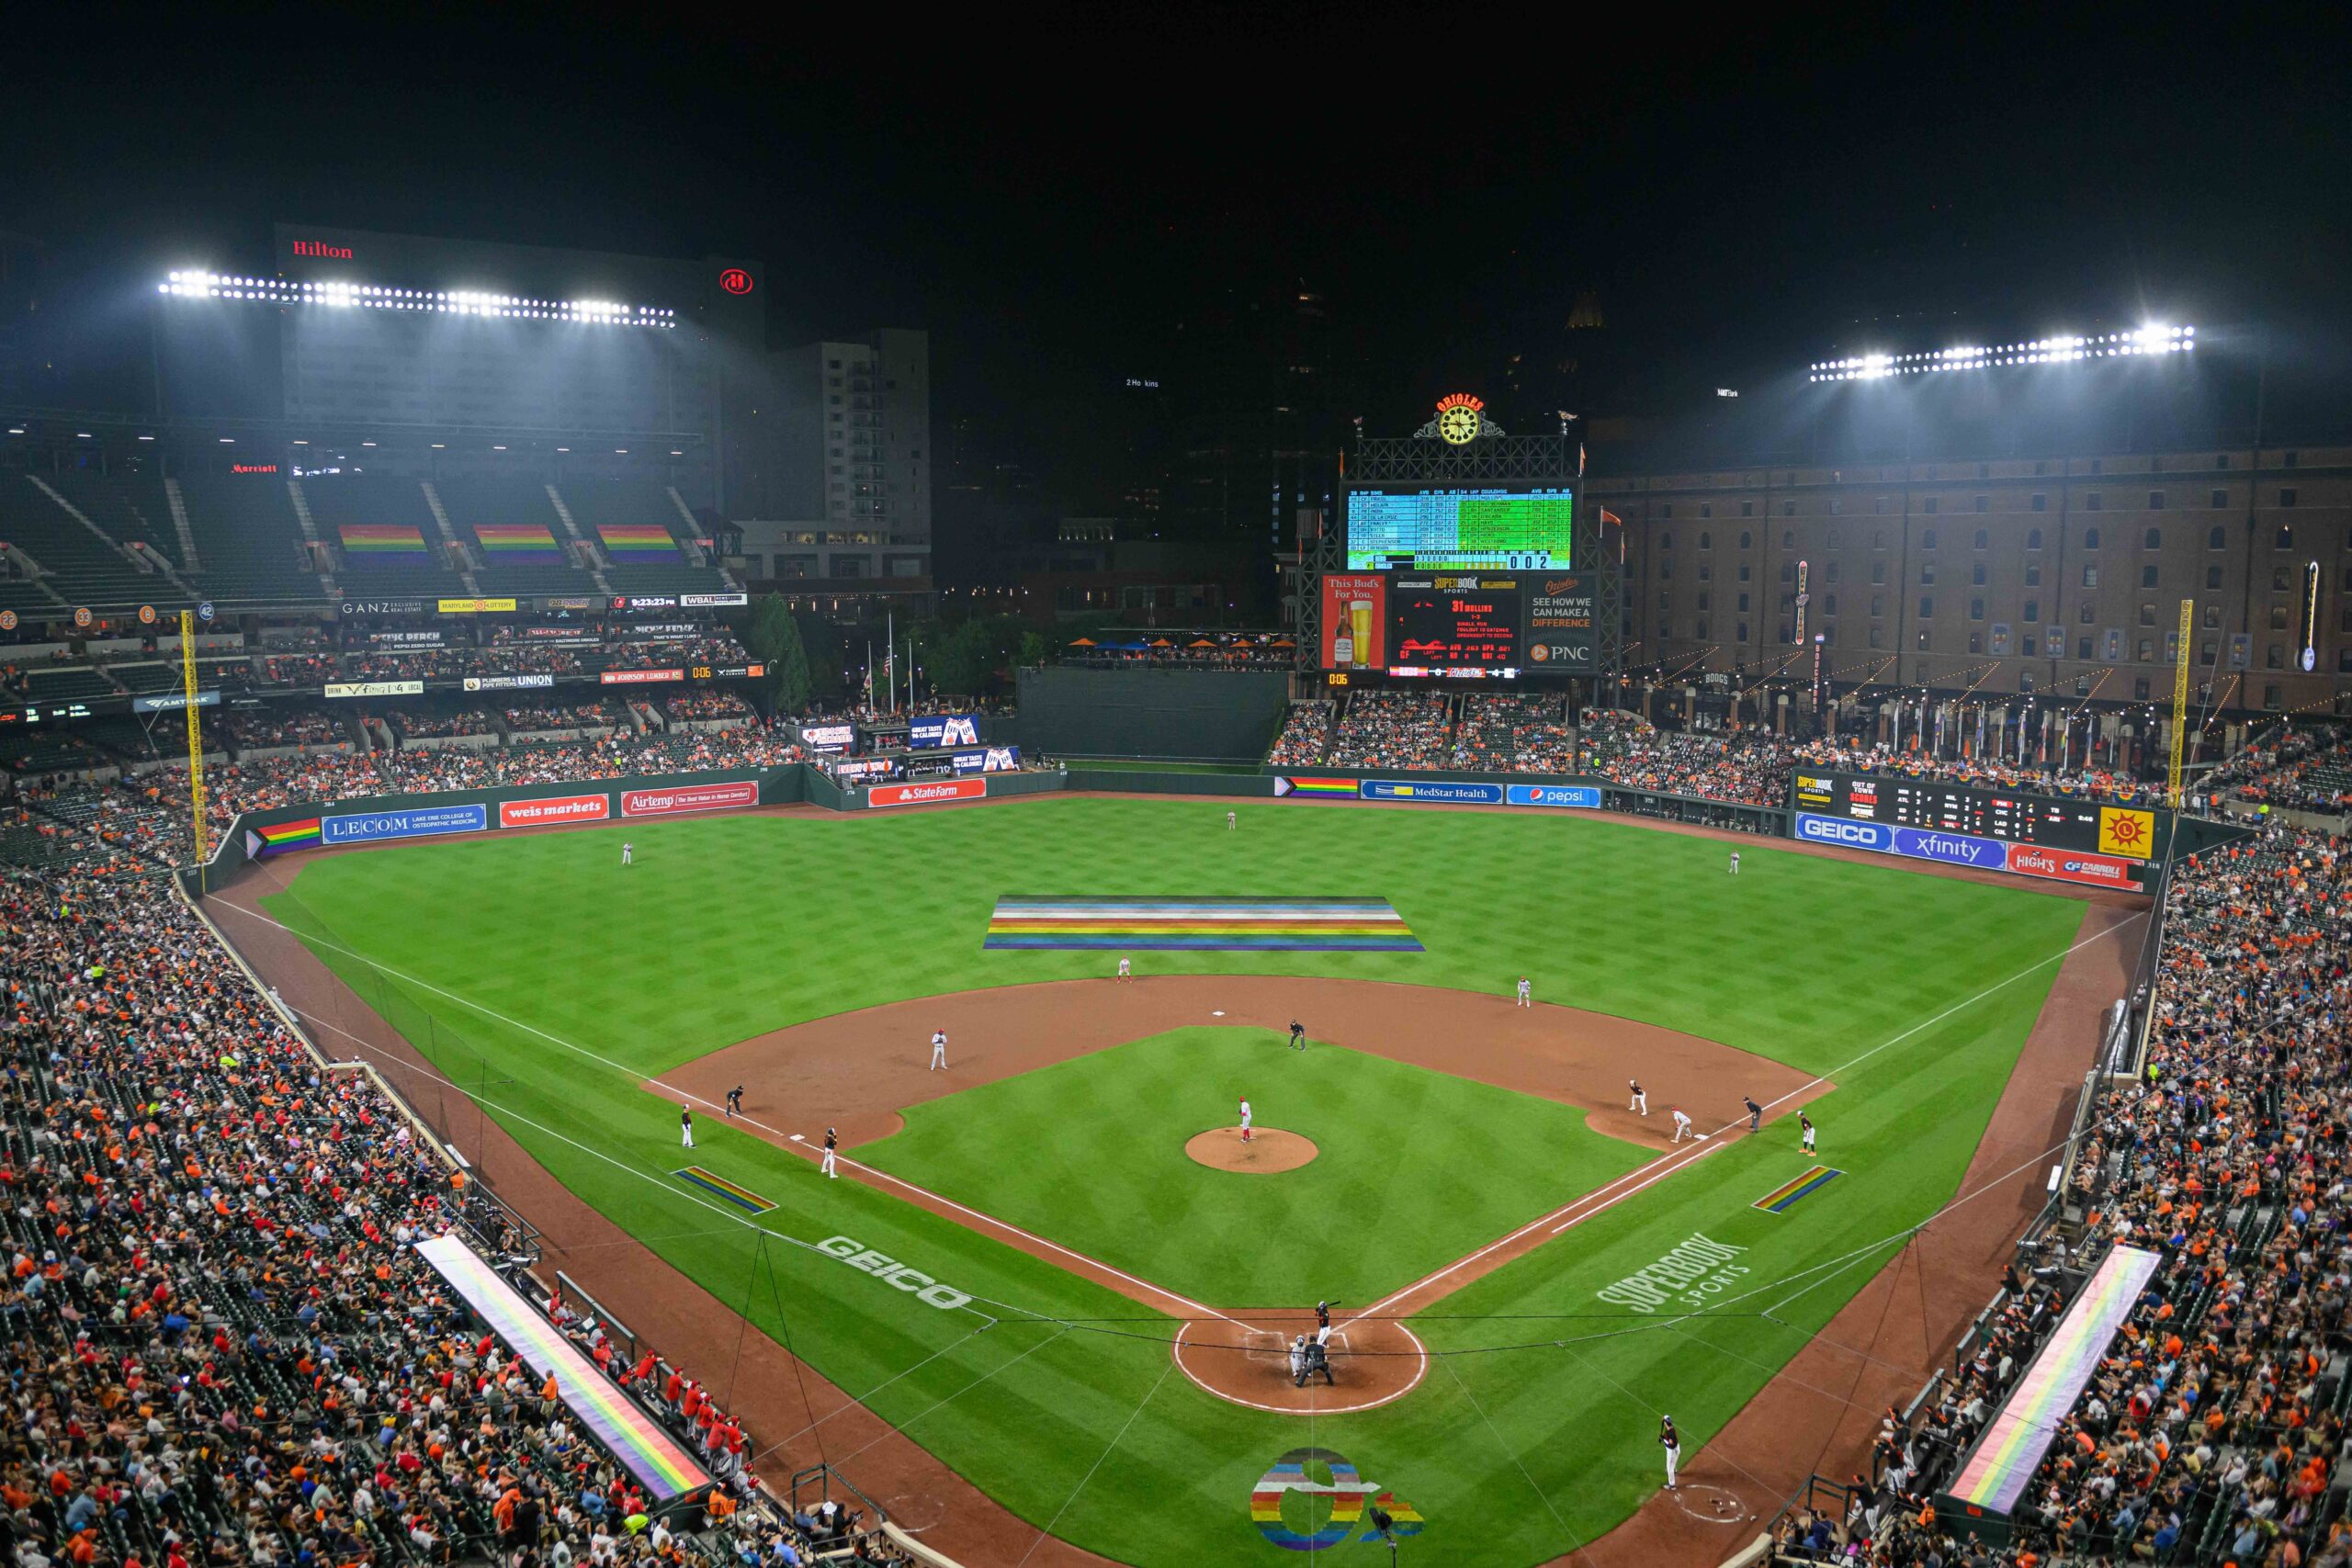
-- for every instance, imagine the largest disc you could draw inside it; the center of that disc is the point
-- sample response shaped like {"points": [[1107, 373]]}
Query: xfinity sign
{"points": [[1839, 830], [1952, 849]]}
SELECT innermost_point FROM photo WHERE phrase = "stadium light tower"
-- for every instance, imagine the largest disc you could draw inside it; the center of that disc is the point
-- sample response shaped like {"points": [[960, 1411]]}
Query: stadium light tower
{"points": [[2150, 340]]}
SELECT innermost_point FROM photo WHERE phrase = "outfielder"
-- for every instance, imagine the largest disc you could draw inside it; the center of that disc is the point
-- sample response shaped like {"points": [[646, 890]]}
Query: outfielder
{"points": [[1229, 819], [1245, 1122], [1526, 997], [686, 1124], [1682, 1125], [1734, 862], [625, 853], [938, 1049], [832, 1142], [1806, 1122], [1641, 1101], [1671, 1441]]}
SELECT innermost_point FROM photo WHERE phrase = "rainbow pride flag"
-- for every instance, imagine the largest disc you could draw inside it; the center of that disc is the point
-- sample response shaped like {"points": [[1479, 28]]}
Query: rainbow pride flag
{"points": [[1993, 1477], [1781, 1200], [1343, 788], [1201, 925], [646, 542], [518, 544], [645, 1450], [280, 837], [741, 1196], [384, 544]]}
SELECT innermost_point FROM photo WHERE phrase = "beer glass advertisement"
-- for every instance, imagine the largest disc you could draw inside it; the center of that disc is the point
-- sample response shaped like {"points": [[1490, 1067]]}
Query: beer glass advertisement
{"points": [[1355, 620]]}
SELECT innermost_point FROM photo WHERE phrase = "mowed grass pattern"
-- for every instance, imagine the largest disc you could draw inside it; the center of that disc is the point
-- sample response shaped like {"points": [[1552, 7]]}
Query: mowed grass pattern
{"points": [[1430, 1164], [1914, 992]]}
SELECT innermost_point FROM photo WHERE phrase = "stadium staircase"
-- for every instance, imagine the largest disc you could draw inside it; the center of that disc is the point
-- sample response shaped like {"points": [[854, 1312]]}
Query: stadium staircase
{"points": [[457, 546], [130, 513], [309, 533], [30, 589], [177, 502], [586, 550], [81, 563], [693, 529]]}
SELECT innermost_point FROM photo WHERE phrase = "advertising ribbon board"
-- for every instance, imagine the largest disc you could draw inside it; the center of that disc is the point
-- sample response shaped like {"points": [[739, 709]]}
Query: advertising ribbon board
{"points": [[713, 601], [176, 703], [476, 606], [927, 794], [508, 682], [689, 797], [368, 826], [1586, 797], [638, 677], [375, 688], [554, 808], [1433, 792]]}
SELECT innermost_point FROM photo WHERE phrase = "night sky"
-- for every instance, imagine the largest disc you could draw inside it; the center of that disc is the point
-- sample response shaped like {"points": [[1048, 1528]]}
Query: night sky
{"points": [[1051, 199]]}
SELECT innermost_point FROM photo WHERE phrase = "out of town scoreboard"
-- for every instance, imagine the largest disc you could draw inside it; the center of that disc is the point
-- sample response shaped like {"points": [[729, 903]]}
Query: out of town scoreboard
{"points": [[2062, 837]]}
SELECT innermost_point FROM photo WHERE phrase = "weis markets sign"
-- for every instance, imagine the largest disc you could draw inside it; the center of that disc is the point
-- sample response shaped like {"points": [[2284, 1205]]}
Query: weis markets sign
{"points": [[554, 808], [688, 798], [368, 826]]}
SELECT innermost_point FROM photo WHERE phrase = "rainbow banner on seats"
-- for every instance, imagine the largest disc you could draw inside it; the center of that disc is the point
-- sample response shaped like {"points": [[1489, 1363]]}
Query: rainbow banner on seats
{"points": [[1993, 1477], [518, 544], [279, 837], [384, 544], [741, 1196], [644, 542], [659, 1462], [1781, 1200], [1201, 925]]}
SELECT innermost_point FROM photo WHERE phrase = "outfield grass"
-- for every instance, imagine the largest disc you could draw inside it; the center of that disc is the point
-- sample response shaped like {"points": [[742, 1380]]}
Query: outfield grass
{"points": [[536, 967], [1435, 1165]]}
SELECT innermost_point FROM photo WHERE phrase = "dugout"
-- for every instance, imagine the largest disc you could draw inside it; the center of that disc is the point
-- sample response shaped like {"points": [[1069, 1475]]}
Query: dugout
{"points": [[1209, 716]]}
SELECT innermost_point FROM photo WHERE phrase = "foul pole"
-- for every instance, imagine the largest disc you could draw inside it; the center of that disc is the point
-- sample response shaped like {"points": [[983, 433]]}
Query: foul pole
{"points": [[2179, 706], [195, 743]]}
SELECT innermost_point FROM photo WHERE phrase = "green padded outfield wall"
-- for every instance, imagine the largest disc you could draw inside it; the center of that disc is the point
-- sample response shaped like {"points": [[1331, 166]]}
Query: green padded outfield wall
{"points": [[1172, 715]]}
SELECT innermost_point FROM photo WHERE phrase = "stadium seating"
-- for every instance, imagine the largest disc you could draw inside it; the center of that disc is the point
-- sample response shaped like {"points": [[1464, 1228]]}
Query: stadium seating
{"points": [[248, 543], [503, 567], [132, 510], [378, 526], [79, 566]]}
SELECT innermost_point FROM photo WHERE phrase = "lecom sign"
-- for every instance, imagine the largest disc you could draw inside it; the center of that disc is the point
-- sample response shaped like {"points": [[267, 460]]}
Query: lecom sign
{"points": [[690, 798], [925, 794], [554, 808]]}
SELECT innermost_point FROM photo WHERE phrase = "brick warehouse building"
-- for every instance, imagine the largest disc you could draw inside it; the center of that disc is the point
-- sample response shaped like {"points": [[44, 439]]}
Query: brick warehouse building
{"points": [[2010, 575]]}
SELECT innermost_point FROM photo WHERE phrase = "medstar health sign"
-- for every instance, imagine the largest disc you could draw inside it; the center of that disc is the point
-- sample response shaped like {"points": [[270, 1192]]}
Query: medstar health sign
{"points": [[1348, 1490]]}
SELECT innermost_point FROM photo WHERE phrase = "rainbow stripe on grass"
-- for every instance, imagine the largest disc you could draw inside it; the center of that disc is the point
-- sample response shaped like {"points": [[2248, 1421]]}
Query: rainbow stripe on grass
{"points": [[518, 544], [1993, 1477], [1781, 1200], [391, 543], [1200, 925], [645, 1450], [647, 542], [741, 1196]]}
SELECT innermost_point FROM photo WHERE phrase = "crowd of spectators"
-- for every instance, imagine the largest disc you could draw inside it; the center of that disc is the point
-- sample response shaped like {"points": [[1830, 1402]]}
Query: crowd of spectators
{"points": [[2303, 770], [1393, 729], [1509, 732], [2108, 785], [222, 1346], [1738, 767], [549, 715], [412, 724], [714, 702], [266, 729], [719, 649], [1307, 730]]}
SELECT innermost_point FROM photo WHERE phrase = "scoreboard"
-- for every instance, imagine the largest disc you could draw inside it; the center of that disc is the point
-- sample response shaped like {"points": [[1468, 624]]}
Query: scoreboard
{"points": [[2059, 837], [1499, 528]]}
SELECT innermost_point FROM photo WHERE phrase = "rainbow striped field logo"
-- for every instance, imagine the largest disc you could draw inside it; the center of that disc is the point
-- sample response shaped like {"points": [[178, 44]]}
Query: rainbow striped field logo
{"points": [[741, 1196], [1781, 1200], [1344, 1495], [1200, 925]]}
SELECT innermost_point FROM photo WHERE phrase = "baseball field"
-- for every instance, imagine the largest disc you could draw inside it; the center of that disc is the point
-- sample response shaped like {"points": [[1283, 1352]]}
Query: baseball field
{"points": [[1528, 1272]]}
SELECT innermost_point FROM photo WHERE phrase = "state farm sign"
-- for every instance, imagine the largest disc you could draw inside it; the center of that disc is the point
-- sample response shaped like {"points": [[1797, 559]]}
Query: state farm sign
{"points": [[925, 794], [554, 808], [688, 798]]}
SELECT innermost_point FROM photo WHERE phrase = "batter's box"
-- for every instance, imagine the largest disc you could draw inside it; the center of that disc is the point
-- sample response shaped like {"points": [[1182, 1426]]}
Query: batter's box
{"points": [[1271, 1346]]}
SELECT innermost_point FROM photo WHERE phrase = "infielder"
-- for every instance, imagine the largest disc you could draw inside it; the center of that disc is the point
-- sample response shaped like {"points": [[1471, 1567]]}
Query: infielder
{"points": [[1671, 1441], [1806, 1122], [1298, 1035], [832, 1142], [625, 853], [686, 1124], [1682, 1124], [938, 1049], [735, 1101], [1734, 862], [1526, 993], [1641, 1101], [1123, 970], [1245, 1122], [1755, 1111]]}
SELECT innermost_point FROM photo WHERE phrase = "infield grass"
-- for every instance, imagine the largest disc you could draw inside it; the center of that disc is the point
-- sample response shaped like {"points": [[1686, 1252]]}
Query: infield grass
{"points": [[537, 971]]}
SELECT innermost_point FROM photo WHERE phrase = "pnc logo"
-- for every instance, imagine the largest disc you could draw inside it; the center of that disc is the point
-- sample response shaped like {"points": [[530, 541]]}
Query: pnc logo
{"points": [[312, 248], [735, 280]]}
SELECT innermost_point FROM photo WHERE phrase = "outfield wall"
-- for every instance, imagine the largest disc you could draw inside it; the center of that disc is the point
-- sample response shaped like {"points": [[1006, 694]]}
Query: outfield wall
{"points": [[1210, 716]]}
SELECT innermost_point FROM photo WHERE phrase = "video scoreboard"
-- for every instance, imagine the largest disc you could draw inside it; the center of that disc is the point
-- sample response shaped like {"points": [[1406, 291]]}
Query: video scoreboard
{"points": [[1460, 626], [2036, 835], [1433, 529]]}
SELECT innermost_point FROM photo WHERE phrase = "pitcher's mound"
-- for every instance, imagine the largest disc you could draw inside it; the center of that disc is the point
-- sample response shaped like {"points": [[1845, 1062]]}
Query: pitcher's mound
{"points": [[1270, 1149]]}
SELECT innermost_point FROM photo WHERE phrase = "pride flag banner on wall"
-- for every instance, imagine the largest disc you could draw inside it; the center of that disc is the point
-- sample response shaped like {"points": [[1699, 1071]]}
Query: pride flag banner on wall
{"points": [[660, 1464], [1993, 1478], [280, 837], [383, 544], [643, 542], [1201, 925], [518, 544]]}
